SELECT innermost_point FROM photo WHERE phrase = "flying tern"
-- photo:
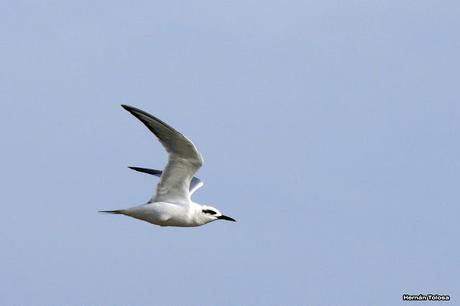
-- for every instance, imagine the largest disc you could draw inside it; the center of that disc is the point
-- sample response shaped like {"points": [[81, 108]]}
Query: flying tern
{"points": [[172, 204]]}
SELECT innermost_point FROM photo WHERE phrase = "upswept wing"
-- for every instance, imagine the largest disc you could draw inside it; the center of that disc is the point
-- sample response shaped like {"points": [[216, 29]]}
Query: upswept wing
{"points": [[184, 159]]}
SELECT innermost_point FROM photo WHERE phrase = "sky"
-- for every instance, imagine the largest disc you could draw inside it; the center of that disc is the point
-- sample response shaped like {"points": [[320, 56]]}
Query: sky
{"points": [[329, 130]]}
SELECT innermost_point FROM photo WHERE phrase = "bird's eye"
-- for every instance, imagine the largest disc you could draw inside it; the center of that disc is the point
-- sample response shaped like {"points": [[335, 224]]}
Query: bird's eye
{"points": [[209, 211]]}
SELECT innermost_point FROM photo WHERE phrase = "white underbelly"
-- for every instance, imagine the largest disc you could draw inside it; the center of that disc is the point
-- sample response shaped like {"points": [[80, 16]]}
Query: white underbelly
{"points": [[163, 214]]}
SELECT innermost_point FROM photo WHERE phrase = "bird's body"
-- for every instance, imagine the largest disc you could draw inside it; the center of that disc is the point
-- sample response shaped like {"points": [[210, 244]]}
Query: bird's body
{"points": [[167, 214], [172, 204]]}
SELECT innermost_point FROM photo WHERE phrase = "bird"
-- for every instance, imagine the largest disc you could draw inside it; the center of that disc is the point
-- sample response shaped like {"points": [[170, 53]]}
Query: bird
{"points": [[172, 203]]}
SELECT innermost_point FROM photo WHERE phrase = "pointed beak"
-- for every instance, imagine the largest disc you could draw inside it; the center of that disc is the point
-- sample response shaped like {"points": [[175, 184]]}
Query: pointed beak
{"points": [[226, 218]]}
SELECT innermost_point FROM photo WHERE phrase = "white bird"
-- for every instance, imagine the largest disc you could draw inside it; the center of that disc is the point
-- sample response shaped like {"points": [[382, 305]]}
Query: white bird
{"points": [[172, 204]]}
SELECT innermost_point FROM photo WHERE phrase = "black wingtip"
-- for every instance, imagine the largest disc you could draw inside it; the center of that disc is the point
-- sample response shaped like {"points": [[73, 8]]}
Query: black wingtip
{"points": [[127, 107], [116, 212], [147, 170], [136, 112]]}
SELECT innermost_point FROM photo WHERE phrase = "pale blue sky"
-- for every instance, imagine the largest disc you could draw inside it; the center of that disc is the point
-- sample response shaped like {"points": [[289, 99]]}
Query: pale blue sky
{"points": [[330, 131]]}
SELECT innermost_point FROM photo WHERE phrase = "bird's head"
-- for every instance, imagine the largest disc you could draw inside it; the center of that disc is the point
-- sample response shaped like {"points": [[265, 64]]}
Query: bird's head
{"points": [[209, 214]]}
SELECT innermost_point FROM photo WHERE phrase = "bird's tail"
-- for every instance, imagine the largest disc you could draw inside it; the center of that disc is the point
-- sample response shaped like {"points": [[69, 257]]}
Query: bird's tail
{"points": [[116, 212]]}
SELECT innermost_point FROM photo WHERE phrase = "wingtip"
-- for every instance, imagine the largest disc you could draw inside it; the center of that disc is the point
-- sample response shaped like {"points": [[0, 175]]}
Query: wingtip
{"points": [[135, 111], [115, 212], [127, 107], [135, 168]]}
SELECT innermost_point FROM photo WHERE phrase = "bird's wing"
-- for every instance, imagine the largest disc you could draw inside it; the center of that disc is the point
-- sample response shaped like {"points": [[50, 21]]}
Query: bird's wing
{"points": [[195, 184], [184, 159]]}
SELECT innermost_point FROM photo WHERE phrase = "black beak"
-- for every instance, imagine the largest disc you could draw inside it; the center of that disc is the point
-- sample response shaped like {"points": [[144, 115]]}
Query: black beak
{"points": [[226, 218]]}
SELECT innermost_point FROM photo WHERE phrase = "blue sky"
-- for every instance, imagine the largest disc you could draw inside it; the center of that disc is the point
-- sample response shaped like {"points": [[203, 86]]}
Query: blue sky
{"points": [[329, 131]]}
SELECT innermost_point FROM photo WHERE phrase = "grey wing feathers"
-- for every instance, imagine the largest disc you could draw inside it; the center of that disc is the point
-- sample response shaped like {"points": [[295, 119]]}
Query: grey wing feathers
{"points": [[184, 159], [173, 141], [195, 184]]}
